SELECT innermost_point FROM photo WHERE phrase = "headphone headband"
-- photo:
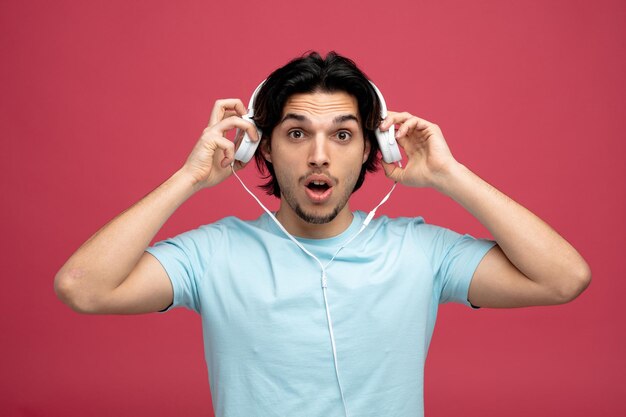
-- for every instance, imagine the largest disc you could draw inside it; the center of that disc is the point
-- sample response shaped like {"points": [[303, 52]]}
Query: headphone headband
{"points": [[386, 140]]}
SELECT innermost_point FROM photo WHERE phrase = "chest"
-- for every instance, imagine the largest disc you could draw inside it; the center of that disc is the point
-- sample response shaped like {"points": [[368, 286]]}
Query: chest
{"points": [[275, 299]]}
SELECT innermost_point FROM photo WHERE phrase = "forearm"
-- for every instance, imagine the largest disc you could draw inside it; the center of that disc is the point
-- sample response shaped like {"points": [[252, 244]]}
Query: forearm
{"points": [[103, 262], [530, 244]]}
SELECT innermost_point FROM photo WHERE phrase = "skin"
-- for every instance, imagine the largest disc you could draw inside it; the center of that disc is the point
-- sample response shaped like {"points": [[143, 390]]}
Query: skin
{"points": [[531, 265], [320, 136]]}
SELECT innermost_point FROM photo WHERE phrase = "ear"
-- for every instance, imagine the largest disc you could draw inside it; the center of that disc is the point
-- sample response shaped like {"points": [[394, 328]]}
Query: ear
{"points": [[265, 149], [366, 150]]}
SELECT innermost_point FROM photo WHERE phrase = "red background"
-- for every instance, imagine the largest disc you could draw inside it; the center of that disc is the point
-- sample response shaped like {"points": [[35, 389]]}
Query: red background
{"points": [[102, 101]]}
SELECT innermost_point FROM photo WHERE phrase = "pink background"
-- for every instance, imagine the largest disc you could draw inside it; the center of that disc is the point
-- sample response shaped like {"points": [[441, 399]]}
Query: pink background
{"points": [[102, 101]]}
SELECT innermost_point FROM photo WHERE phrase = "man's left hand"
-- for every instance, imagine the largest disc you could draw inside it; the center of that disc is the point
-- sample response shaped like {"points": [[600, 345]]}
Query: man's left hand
{"points": [[429, 158]]}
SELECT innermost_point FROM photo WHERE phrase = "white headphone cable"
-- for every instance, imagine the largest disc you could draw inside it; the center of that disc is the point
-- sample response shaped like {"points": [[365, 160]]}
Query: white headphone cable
{"points": [[323, 267]]}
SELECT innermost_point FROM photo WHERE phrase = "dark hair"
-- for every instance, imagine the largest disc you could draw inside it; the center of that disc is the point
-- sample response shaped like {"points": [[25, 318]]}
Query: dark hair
{"points": [[308, 74]]}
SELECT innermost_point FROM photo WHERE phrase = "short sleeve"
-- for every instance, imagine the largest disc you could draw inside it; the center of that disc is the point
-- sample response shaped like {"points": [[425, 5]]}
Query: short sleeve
{"points": [[183, 257], [454, 259]]}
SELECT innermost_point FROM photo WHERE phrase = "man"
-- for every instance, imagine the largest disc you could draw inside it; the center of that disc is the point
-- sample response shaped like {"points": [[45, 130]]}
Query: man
{"points": [[266, 319]]}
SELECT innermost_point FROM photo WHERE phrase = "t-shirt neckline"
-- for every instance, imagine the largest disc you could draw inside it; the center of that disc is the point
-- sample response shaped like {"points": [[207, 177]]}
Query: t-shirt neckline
{"points": [[357, 220]]}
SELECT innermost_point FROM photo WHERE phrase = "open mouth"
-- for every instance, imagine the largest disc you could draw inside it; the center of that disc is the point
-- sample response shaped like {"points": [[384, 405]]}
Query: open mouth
{"points": [[318, 188]]}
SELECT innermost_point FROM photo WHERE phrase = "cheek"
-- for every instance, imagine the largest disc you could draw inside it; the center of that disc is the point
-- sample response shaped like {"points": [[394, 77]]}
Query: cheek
{"points": [[283, 173], [356, 155]]}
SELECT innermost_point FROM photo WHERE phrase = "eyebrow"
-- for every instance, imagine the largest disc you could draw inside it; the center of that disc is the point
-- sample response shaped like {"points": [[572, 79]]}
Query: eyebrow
{"points": [[301, 118]]}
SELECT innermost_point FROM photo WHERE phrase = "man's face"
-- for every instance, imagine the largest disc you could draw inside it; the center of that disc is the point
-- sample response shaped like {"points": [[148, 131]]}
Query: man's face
{"points": [[317, 150]]}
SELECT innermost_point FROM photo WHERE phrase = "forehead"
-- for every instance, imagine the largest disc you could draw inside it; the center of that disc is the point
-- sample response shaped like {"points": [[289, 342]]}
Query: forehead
{"points": [[321, 104]]}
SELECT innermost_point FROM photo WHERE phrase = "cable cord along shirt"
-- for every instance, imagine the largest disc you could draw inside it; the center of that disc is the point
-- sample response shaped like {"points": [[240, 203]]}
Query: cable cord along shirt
{"points": [[266, 336]]}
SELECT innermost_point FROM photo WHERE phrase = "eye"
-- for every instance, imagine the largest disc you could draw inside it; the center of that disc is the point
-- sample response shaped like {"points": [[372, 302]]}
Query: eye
{"points": [[344, 135], [296, 134]]}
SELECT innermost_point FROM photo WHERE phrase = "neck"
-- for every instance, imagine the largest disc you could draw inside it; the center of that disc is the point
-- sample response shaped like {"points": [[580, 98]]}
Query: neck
{"points": [[298, 227]]}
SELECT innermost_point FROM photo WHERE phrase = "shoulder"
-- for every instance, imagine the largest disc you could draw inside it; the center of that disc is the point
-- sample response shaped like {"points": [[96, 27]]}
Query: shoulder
{"points": [[234, 224], [397, 224], [416, 225], [414, 230], [217, 233]]}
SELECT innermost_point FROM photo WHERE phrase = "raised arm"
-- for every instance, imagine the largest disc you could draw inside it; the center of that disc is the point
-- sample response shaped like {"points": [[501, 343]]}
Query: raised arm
{"points": [[111, 273], [531, 264]]}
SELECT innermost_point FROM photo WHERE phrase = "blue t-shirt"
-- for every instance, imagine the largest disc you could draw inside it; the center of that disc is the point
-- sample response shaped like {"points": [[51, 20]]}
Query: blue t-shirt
{"points": [[266, 337]]}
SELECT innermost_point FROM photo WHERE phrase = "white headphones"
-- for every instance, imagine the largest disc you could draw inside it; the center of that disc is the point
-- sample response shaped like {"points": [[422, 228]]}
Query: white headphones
{"points": [[386, 140]]}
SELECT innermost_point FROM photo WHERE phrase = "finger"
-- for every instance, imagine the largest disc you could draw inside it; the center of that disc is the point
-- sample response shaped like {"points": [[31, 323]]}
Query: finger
{"points": [[392, 171], [423, 124], [239, 165], [224, 144], [387, 122], [228, 148], [222, 106], [404, 143], [237, 122], [229, 113], [238, 136], [229, 158], [407, 127], [394, 118], [399, 118]]}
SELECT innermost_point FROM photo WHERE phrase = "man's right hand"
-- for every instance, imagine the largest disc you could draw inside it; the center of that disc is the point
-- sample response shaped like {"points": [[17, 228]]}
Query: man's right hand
{"points": [[208, 163], [111, 273]]}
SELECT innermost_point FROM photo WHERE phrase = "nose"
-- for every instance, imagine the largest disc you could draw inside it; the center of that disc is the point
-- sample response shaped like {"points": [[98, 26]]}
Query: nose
{"points": [[318, 152]]}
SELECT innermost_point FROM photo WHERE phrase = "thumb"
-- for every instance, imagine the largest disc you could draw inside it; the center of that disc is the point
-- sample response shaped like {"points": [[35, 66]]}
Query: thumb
{"points": [[392, 171]]}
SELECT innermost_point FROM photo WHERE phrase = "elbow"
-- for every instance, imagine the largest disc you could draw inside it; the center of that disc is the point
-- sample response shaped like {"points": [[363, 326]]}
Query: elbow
{"points": [[67, 286], [578, 280]]}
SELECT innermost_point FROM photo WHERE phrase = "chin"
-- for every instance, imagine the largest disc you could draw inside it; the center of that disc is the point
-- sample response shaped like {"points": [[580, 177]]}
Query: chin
{"points": [[316, 218]]}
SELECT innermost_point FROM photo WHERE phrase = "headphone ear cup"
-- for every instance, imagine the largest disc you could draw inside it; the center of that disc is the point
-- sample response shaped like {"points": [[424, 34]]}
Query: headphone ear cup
{"points": [[386, 140], [388, 145], [247, 146]]}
